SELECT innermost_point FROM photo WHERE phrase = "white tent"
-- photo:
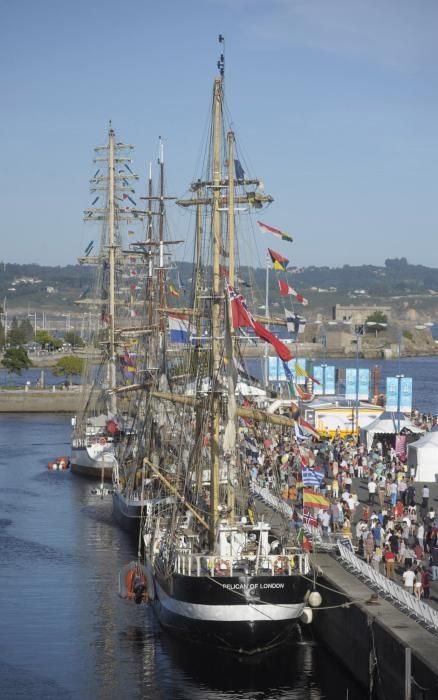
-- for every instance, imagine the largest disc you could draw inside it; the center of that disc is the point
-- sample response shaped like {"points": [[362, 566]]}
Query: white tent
{"points": [[423, 455], [387, 424]]}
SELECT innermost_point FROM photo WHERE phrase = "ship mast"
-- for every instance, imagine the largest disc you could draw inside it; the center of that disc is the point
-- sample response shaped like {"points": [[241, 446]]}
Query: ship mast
{"points": [[116, 184], [112, 269], [216, 308]]}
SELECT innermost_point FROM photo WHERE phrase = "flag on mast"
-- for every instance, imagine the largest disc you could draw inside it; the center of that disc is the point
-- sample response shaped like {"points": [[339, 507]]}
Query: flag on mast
{"points": [[294, 322], [242, 317], [286, 289], [264, 228], [278, 261]]}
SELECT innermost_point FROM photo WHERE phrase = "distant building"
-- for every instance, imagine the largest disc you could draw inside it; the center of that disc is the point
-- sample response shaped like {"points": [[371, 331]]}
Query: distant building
{"points": [[358, 314]]}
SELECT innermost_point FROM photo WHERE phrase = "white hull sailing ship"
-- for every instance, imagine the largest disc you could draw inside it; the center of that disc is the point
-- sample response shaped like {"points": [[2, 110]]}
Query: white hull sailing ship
{"points": [[213, 570], [103, 421]]}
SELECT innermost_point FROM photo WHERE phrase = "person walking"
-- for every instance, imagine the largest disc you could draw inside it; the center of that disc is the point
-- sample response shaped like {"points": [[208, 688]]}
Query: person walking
{"points": [[369, 548], [425, 582], [393, 493], [425, 500], [409, 580], [389, 558], [410, 495], [372, 487]]}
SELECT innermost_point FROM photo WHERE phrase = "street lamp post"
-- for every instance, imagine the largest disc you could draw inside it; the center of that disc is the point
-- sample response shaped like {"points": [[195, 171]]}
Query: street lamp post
{"points": [[399, 378], [323, 377], [358, 331]]}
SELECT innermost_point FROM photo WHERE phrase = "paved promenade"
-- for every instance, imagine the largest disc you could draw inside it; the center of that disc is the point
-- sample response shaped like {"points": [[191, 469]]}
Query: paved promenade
{"points": [[361, 489]]}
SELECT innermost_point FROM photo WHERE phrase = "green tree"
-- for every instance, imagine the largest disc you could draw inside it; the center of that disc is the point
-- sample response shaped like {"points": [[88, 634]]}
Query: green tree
{"points": [[16, 359], [27, 330], [15, 334], [74, 339], [48, 341], [378, 322], [69, 366]]}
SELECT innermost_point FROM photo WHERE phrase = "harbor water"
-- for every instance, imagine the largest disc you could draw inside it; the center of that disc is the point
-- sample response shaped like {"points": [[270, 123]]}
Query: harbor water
{"points": [[65, 632]]}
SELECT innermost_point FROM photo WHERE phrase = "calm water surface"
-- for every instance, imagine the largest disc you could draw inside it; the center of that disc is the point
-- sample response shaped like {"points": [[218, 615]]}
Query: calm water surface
{"points": [[64, 631]]}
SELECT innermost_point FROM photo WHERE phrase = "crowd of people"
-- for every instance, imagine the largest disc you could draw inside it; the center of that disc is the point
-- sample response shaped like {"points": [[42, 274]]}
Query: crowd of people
{"points": [[394, 528]]}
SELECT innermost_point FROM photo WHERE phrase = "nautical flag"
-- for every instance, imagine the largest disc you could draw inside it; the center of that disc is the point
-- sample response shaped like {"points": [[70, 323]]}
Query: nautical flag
{"points": [[264, 228], [238, 170], [174, 292], [314, 500], [309, 428], [242, 317], [309, 518], [312, 477], [304, 395], [295, 323], [299, 435], [179, 329], [224, 271], [290, 379], [285, 289], [278, 261]]}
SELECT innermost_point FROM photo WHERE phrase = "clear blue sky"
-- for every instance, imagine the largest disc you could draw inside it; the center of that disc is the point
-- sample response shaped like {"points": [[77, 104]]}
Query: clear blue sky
{"points": [[335, 102]]}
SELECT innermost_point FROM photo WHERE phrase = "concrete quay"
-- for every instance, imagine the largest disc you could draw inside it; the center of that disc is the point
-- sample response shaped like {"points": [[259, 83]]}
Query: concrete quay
{"points": [[53, 400], [371, 638]]}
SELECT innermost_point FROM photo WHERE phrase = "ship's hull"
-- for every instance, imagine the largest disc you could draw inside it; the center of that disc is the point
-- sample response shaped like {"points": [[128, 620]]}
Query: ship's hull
{"points": [[127, 512], [240, 614], [81, 462]]}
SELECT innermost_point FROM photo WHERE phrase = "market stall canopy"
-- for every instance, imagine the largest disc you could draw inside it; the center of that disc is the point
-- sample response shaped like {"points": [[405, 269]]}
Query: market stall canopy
{"points": [[423, 456], [387, 424]]}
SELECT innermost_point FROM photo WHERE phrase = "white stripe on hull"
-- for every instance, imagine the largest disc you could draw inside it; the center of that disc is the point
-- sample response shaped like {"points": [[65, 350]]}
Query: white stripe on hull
{"points": [[250, 612]]}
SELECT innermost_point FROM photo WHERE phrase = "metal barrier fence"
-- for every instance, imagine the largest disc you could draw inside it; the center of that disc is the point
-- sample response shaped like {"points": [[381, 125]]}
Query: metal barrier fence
{"points": [[409, 604]]}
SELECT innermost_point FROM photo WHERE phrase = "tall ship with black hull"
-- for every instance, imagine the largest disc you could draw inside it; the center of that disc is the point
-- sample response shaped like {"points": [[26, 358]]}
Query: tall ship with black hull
{"points": [[103, 420], [133, 493], [214, 571]]}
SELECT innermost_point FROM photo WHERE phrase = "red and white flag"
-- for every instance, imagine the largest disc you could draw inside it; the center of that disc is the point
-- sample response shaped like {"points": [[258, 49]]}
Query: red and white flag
{"points": [[243, 318], [264, 228], [308, 428], [285, 289]]}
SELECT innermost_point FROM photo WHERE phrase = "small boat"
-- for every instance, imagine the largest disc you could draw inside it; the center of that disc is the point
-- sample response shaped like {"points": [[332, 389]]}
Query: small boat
{"points": [[60, 463]]}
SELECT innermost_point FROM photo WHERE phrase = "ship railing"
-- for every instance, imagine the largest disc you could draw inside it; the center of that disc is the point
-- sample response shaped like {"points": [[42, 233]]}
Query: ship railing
{"points": [[188, 564], [398, 595]]}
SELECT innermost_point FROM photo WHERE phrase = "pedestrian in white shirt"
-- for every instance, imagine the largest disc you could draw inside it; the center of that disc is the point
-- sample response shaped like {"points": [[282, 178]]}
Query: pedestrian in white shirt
{"points": [[409, 580]]}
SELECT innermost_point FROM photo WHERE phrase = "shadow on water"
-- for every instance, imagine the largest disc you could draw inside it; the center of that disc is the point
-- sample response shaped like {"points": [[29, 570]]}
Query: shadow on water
{"points": [[299, 671]]}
